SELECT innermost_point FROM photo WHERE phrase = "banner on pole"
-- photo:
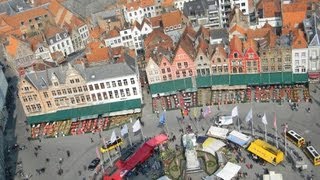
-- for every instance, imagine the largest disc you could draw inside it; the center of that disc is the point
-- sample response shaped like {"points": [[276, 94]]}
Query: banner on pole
{"points": [[249, 116], [264, 119], [136, 126]]}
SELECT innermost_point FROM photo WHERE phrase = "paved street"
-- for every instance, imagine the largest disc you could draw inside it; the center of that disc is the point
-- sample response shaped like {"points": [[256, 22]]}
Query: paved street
{"points": [[83, 151]]}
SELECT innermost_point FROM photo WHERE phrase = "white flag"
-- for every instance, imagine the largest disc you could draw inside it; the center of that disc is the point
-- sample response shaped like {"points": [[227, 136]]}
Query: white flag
{"points": [[124, 130], [249, 116], [113, 137], [136, 126], [264, 119], [234, 112]]}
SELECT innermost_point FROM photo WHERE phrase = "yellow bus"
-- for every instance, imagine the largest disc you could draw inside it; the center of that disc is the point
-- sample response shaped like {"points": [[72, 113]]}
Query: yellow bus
{"points": [[313, 155], [111, 146], [295, 138], [266, 151]]}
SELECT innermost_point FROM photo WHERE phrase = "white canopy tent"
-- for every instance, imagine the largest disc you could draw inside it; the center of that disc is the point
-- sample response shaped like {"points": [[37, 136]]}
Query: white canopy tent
{"points": [[229, 171], [211, 145], [272, 176], [239, 138], [164, 178], [217, 132]]}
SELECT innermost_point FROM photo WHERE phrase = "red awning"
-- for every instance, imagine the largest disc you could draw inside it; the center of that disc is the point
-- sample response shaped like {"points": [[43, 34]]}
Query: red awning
{"points": [[314, 75], [142, 154]]}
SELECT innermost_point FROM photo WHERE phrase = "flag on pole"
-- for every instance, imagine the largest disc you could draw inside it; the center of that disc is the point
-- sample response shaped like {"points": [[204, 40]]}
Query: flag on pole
{"points": [[264, 119], [285, 128], [234, 112], [275, 121], [206, 112], [124, 130], [113, 137], [136, 126], [249, 116], [162, 119]]}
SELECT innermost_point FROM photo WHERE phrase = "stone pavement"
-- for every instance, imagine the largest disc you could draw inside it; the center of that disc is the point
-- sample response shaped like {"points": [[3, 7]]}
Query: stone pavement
{"points": [[83, 151]]}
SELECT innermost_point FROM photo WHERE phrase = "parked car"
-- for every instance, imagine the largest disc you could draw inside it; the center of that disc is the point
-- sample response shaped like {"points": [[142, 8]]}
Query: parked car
{"points": [[94, 163]]}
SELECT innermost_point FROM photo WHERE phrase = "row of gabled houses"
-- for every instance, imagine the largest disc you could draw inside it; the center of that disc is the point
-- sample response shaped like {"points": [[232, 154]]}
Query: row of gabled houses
{"points": [[241, 50]]}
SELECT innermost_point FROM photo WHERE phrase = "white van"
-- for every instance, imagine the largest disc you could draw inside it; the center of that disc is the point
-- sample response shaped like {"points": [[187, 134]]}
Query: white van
{"points": [[224, 121]]}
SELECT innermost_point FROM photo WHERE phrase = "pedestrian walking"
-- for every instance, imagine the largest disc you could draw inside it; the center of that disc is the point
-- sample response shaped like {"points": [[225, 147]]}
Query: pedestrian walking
{"points": [[91, 140], [100, 135], [36, 154], [68, 153]]}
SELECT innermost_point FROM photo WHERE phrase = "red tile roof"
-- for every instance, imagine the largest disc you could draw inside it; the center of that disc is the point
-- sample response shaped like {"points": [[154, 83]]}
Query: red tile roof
{"points": [[13, 46], [25, 16], [235, 44], [270, 8], [187, 45], [258, 33], [203, 46], [167, 3], [98, 53], [237, 28], [293, 14], [157, 39], [250, 43], [155, 21], [35, 40], [171, 19], [299, 41], [221, 51]]}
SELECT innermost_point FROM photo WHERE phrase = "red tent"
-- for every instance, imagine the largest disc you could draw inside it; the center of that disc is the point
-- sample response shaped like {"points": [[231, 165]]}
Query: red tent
{"points": [[142, 154]]}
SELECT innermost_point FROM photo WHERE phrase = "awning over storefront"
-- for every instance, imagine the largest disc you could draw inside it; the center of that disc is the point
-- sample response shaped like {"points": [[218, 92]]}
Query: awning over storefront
{"points": [[314, 75], [227, 81], [220, 79], [300, 78], [264, 78], [169, 87], [287, 78], [238, 79], [275, 78], [86, 111], [204, 81], [253, 79]]}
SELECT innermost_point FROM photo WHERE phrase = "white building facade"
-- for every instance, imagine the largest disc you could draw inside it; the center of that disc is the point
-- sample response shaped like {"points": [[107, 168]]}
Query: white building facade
{"points": [[132, 37], [43, 52], [60, 42], [137, 12], [178, 4], [313, 36], [153, 72], [300, 60]]}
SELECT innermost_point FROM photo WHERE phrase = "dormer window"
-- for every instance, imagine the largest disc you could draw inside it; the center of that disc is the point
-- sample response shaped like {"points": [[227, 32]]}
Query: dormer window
{"points": [[58, 37], [55, 83], [22, 23]]}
